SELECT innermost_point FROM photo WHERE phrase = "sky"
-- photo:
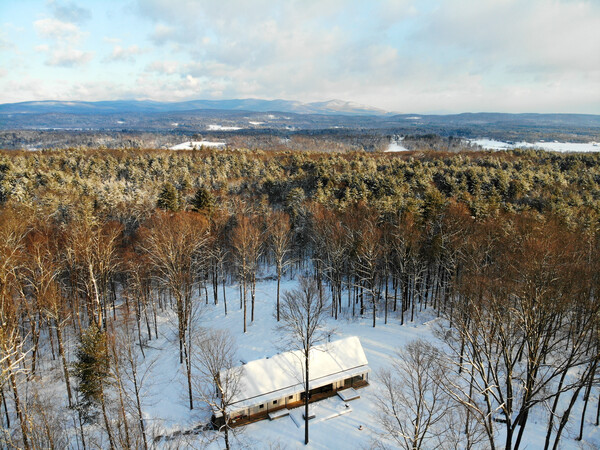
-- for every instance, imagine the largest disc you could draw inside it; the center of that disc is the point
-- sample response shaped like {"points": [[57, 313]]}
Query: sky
{"points": [[405, 56]]}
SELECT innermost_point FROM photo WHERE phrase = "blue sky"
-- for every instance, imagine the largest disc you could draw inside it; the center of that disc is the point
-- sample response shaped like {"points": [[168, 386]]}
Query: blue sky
{"points": [[399, 55]]}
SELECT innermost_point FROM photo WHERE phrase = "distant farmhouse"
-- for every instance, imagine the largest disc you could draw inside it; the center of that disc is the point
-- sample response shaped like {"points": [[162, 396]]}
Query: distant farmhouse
{"points": [[271, 385]]}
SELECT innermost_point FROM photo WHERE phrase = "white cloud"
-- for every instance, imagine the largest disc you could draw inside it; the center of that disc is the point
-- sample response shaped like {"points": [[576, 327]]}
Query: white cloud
{"points": [[5, 42], [532, 36], [163, 67], [398, 54], [402, 55], [163, 33], [70, 12], [111, 40], [124, 53], [68, 57], [57, 29]]}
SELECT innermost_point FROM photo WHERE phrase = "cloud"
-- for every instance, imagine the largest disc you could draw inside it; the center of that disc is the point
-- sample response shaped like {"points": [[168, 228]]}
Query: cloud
{"points": [[163, 67], [163, 33], [69, 12], [68, 58], [401, 55], [64, 56], [57, 29], [124, 54], [65, 36], [111, 40], [5, 42], [398, 54], [536, 36]]}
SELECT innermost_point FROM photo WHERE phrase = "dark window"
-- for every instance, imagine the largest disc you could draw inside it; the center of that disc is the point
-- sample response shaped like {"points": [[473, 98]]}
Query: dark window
{"points": [[290, 397], [261, 406], [274, 402]]}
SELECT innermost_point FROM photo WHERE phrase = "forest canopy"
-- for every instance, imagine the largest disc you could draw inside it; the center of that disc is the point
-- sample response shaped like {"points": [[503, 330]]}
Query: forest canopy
{"points": [[98, 246]]}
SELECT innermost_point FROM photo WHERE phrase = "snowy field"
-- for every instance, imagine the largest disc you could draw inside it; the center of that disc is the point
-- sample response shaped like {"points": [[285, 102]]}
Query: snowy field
{"points": [[167, 413], [396, 146], [491, 144], [215, 127], [190, 145]]}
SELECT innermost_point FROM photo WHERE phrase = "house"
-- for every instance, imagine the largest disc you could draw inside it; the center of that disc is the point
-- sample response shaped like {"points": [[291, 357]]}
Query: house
{"points": [[271, 384]]}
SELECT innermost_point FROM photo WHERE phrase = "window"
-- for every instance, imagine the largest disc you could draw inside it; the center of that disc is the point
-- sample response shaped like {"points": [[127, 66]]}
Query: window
{"points": [[290, 397], [274, 402], [261, 406]]}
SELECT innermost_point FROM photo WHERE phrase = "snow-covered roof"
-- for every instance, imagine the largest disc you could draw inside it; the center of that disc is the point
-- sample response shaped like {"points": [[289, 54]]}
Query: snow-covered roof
{"points": [[282, 375]]}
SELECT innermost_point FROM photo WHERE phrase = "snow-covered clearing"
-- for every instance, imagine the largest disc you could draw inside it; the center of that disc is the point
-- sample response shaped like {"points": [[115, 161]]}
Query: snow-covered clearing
{"points": [[396, 145], [171, 424], [491, 144], [166, 405], [167, 409], [191, 145], [222, 128]]}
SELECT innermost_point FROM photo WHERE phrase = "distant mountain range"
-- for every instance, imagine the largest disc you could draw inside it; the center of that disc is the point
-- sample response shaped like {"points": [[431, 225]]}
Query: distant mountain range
{"points": [[331, 107], [255, 116]]}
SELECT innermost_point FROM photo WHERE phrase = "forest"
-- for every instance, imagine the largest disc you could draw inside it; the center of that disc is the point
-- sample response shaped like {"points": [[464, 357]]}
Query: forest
{"points": [[502, 247]]}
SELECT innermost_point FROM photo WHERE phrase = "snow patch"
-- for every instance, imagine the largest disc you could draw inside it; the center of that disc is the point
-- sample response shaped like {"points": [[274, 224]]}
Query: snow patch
{"points": [[492, 144], [191, 145], [222, 128], [396, 146]]}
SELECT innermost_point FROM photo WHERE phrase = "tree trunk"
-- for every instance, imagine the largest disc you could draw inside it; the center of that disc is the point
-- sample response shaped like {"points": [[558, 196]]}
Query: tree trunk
{"points": [[306, 394], [224, 297], [18, 407], [386, 299], [111, 440], [138, 402], [253, 295], [586, 399], [5, 407], [245, 308], [61, 352], [278, 283]]}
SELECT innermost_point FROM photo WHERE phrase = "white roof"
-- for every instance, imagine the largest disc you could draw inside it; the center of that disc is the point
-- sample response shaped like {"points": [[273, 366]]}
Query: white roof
{"points": [[282, 374]]}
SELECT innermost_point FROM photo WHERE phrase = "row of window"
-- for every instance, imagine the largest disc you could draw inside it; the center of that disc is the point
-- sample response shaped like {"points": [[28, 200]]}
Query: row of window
{"points": [[291, 397]]}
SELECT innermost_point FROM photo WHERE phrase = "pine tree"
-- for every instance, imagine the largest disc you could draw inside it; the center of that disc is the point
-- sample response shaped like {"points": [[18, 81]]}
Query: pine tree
{"points": [[91, 368], [203, 200], [168, 199]]}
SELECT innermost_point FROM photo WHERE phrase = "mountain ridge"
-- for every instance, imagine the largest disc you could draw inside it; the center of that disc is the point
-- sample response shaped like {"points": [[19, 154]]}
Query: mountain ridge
{"points": [[329, 107]]}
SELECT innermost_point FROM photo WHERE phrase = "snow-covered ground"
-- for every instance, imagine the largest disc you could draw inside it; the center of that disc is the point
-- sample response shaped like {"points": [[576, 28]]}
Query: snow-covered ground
{"points": [[166, 406], [222, 128], [396, 145], [190, 145], [491, 144]]}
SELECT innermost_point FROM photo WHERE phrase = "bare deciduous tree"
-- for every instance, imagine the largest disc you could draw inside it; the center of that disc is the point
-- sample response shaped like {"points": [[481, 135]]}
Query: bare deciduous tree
{"points": [[173, 244], [413, 404], [280, 237], [218, 378], [303, 318], [246, 243]]}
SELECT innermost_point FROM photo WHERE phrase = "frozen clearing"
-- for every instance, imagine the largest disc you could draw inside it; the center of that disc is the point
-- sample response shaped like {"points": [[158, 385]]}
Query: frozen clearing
{"points": [[166, 402], [222, 128], [491, 144], [396, 146], [191, 145]]}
